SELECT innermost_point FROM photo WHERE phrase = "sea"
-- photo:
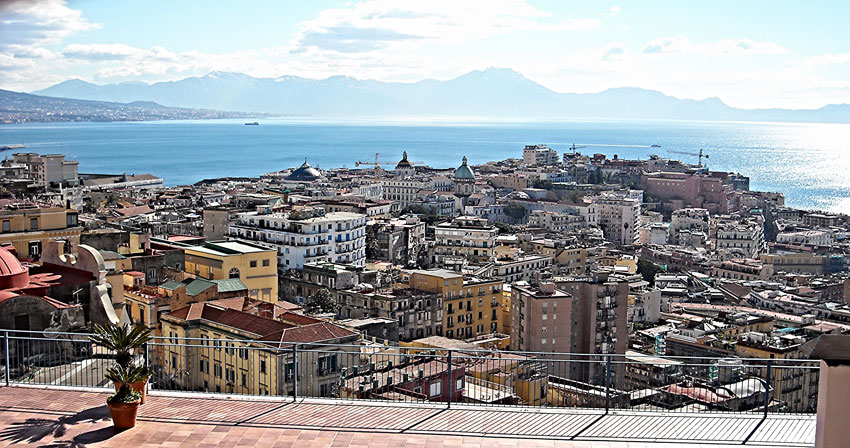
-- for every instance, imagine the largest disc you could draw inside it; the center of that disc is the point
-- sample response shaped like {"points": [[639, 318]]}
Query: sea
{"points": [[809, 163]]}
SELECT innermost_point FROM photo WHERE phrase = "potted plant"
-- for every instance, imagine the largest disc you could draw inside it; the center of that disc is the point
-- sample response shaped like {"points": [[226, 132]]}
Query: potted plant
{"points": [[134, 376], [124, 341], [124, 403]]}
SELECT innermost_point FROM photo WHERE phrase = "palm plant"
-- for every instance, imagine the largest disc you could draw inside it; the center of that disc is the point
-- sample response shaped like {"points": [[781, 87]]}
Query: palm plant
{"points": [[125, 376], [123, 340]]}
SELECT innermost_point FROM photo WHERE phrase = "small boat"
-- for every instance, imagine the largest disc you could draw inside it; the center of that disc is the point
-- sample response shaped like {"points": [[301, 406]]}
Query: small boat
{"points": [[655, 146], [253, 123]]}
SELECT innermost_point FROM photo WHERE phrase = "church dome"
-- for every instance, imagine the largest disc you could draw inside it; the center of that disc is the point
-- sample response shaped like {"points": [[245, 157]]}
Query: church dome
{"points": [[464, 171], [12, 273], [305, 173], [403, 163]]}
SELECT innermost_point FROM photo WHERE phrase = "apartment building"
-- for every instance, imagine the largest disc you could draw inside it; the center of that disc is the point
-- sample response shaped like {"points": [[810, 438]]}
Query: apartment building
{"points": [[618, 217], [306, 235], [739, 237], [539, 155], [49, 170], [213, 348], [398, 240], [555, 222], [587, 315], [402, 190], [30, 229], [255, 266], [464, 238], [471, 306], [418, 313]]}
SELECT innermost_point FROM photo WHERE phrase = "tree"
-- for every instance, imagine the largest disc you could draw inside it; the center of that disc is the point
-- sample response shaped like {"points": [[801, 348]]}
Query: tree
{"points": [[504, 229], [371, 242], [647, 270], [545, 184], [321, 302], [515, 212]]}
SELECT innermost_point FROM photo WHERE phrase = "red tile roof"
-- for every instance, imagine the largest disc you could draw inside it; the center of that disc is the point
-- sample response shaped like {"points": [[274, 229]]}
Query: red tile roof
{"points": [[294, 328]]}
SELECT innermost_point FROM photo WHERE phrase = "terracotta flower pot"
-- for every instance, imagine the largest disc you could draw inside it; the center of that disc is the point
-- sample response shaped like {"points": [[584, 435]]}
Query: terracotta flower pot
{"points": [[138, 386], [123, 414]]}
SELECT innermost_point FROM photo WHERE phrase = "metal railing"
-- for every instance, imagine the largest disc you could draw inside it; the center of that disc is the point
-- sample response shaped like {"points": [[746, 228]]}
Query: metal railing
{"points": [[368, 371]]}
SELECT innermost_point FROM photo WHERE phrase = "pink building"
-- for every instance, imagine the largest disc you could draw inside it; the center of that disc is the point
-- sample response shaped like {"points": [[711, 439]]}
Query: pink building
{"points": [[683, 190]]}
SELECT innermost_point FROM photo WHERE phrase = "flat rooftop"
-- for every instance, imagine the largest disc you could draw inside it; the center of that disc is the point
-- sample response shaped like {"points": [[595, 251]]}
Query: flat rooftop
{"points": [[35, 416]]}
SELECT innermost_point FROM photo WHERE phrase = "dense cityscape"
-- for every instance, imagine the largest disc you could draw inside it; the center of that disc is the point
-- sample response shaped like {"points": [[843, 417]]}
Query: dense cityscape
{"points": [[424, 224], [643, 258]]}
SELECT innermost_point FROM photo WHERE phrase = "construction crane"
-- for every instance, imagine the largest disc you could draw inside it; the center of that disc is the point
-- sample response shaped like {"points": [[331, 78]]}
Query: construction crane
{"points": [[700, 155], [574, 147], [377, 164]]}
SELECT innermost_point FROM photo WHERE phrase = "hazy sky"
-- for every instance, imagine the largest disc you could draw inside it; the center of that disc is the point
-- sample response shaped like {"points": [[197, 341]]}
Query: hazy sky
{"points": [[748, 53]]}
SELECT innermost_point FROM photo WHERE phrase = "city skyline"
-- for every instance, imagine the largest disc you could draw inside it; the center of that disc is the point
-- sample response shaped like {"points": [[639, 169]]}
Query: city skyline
{"points": [[754, 55]]}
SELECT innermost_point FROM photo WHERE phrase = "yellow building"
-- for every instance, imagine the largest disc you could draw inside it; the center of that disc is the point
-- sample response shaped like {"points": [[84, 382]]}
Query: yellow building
{"points": [[255, 265], [145, 304], [472, 307], [795, 385], [30, 229], [209, 347]]}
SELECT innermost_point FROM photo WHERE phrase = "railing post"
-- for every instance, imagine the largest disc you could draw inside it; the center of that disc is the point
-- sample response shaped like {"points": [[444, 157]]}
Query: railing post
{"points": [[294, 372], [767, 388], [607, 383], [451, 385], [6, 352]]}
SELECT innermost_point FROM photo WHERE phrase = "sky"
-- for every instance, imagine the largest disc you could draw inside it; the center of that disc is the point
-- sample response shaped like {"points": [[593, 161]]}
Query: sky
{"points": [[750, 54]]}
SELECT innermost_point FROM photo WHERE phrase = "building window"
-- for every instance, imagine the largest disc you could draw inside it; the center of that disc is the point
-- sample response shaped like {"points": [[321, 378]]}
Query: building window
{"points": [[230, 375], [234, 273], [244, 380], [253, 263], [434, 388], [7, 226], [263, 366], [217, 370], [459, 384], [33, 223], [266, 262]]}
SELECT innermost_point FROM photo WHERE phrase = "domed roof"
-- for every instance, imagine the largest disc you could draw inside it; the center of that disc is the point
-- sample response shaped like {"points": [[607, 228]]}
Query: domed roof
{"points": [[464, 171], [12, 274], [403, 163], [305, 173]]}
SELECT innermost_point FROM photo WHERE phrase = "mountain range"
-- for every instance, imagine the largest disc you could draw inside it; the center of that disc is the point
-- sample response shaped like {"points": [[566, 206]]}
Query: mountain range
{"points": [[494, 92]]}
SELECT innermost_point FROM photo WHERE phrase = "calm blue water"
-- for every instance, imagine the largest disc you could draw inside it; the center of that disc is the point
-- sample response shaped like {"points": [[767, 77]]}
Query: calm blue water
{"points": [[808, 162]]}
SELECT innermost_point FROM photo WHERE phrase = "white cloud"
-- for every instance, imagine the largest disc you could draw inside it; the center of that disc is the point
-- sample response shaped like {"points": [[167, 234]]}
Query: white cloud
{"points": [[615, 10], [102, 52], [379, 24], [682, 45], [33, 23], [822, 60]]}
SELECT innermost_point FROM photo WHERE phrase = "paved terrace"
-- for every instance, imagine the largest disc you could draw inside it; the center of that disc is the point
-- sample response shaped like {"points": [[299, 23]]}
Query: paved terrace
{"points": [[31, 416]]}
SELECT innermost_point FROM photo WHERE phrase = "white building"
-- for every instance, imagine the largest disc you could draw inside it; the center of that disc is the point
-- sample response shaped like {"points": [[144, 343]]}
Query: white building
{"points": [[539, 155], [401, 190], [306, 236], [617, 216], [465, 238], [806, 238], [739, 238], [555, 222]]}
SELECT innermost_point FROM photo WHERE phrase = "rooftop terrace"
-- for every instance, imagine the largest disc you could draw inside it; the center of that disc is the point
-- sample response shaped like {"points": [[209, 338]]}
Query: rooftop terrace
{"points": [[36, 416]]}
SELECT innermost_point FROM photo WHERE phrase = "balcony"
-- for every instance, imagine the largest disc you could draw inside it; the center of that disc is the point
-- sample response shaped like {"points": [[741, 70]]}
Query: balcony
{"points": [[63, 404]]}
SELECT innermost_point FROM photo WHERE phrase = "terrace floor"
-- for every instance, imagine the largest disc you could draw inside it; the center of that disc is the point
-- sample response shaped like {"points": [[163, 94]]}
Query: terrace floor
{"points": [[31, 416]]}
